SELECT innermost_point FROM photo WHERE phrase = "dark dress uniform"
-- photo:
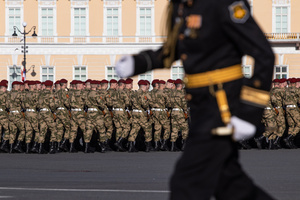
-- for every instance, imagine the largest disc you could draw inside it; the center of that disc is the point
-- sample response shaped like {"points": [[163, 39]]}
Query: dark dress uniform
{"points": [[210, 37]]}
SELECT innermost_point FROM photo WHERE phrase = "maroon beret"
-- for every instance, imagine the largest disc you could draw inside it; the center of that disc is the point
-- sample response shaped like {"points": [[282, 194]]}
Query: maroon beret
{"points": [[57, 82], [162, 82], [128, 81], [63, 81], [121, 81], [142, 82], [88, 81], [113, 81], [104, 81], [178, 81], [48, 83]]}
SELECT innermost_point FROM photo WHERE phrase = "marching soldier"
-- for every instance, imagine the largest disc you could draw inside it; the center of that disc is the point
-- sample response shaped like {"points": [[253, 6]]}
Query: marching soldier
{"points": [[210, 37], [4, 118], [140, 105]]}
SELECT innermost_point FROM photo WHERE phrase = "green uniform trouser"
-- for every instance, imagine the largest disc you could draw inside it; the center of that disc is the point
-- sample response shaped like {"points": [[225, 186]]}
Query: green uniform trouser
{"points": [[108, 123], [178, 122], [47, 122], [16, 122], [77, 120], [271, 125], [121, 123], [94, 119], [160, 119], [293, 116], [139, 120], [31, 124], [4, 123], [280, 120], [63, 124]]}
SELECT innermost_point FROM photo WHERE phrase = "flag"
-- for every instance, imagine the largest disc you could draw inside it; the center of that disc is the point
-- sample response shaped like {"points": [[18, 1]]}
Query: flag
{"points": [[23, 74]]}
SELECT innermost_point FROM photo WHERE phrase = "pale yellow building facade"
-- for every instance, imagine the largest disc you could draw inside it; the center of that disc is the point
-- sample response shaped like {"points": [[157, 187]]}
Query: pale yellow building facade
{"points": [[83, 39]]}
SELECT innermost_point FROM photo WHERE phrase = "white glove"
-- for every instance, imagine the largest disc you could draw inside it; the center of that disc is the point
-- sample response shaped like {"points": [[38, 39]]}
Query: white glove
{"points": [[125, 67], [242, 130]]}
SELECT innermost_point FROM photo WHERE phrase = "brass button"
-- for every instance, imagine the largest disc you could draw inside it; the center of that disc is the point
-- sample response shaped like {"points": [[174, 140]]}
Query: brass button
{"points": [[183, 57], [257, 83], [181, 36]]}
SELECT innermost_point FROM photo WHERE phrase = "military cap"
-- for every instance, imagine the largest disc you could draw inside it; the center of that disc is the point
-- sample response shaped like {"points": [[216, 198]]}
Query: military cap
{"points": [[162, 82], [113, 81], [94, 82], [155, 81], [31, 82], [292, 80], [147, 82], [170, 81], [178, 81], [15, 83], [48, 83], [26, 82], [142, 82], [43, 83], [99, 82], [3, 84], [128, 81], [104, 81], [79, 82], [63, 81], [38, 82], [121, 81], [57, 82], [4, 80], [88, 81]]}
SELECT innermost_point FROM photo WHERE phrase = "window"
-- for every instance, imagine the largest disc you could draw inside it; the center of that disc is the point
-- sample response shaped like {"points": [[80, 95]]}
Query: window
{"points": [[145, 21], [47, 21], [112, 21], [80, 21], [80, 73], [177, 72], [14, 75], [281, 72], [47, 73], [247, 71], [14, 19], [146, 76], [281, 19], [111, 73]]}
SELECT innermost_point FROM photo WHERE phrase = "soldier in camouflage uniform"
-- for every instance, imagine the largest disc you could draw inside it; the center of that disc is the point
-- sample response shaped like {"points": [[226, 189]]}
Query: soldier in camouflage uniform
{"points": [[62, 114], [139, 117], [129, 92], [118, 100], [77, 103], [95, 117], [178, 115], [108, 123], [4, 122], [292, 113], [47, 107], [31, 115], [16, 119], [159, 101]]}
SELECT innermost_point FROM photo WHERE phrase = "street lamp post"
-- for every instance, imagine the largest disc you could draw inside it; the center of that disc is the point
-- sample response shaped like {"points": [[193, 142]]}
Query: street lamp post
{"points": [[24, 40]]}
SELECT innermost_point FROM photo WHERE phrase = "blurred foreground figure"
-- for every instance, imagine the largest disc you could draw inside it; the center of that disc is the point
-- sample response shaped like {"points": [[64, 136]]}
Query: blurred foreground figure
{"points": [[210, 38]]}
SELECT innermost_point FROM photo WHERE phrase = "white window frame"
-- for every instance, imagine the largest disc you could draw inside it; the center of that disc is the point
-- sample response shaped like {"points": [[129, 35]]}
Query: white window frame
{"points": [[247, 75], [106, 73], [47, 4], [41, 72], [8, 75], [281, 73], [145, 4], [112, 4], [86, 67], [80, 4], [281, 3], [13, 4], [178, 63]]}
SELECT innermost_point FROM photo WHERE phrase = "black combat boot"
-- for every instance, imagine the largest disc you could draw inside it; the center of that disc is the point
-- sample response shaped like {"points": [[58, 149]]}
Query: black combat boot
{"points": [[277, 142], [4, 146], [102, 147], [164, 146], [174, 147], [18, 147], [11, 148], [63, 145], [148, 147], [106, 144], [41, 149], [156, 146], [244, 144], [52, 148], [259, 141], [72, 148], [57, 149], [289, 141], [27, 148], [183, 145], [87, 148], [35, 148], [272, 146], [119, 145], [132, 148]]}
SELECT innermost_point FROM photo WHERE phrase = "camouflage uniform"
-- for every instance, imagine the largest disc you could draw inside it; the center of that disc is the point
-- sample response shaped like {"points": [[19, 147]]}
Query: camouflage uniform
{"points": [[62, 114], [139, 116], [178, 119], [107, 118], [31, 115], [269, 120], [47, 106], [4, 122], [277, 96], [95, 117]]}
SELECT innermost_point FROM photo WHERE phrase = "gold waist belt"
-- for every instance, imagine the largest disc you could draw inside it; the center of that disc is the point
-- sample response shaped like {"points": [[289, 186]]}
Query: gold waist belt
{"points": [[213, 77]]}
